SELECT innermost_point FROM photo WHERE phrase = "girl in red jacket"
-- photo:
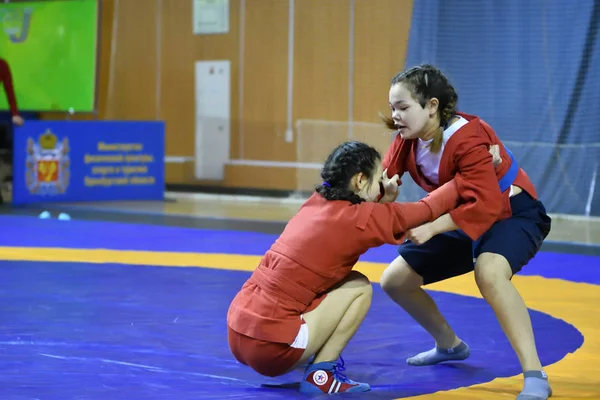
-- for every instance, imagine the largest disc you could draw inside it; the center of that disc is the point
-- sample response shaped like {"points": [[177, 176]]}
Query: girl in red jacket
{"points": [[498, 227], [304, 301]]}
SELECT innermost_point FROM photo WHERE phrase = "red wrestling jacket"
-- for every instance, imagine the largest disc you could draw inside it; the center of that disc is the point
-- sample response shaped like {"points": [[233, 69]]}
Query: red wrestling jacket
{"points": [[466, 153], [318, 248]]}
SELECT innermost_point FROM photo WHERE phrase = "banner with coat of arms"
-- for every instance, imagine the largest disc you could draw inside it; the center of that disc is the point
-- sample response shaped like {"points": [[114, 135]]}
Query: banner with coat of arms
{"points": [[88, 161]]}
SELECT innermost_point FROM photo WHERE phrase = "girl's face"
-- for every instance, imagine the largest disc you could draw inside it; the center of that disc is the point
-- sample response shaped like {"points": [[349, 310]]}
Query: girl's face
{"points": [[411, 119], [368, 190]]}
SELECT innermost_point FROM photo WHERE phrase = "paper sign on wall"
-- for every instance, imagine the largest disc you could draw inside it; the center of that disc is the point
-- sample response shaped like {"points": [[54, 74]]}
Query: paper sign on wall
{"points": [[210, 17]]}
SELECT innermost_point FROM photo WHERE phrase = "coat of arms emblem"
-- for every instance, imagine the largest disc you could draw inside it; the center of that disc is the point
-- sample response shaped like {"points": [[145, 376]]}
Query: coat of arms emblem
{"points": [[47, 165]]}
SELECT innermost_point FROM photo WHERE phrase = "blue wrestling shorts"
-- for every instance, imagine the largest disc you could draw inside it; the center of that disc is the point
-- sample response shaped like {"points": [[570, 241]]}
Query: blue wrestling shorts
{"points": [[450, 254], [518, 239]]}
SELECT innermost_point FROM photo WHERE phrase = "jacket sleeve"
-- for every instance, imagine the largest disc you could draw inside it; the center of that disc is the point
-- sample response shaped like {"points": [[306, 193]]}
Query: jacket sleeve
{"points": [[6, 79], [389, 222], [478, 187], [395, 158]]}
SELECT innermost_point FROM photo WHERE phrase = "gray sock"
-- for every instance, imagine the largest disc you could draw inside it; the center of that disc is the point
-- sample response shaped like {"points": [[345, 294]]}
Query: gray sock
{"points": [[536, 386], [438, 355]]}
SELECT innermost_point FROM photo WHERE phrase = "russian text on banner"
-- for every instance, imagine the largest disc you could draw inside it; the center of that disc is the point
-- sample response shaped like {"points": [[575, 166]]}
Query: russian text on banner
{"points": [[88, 161]]}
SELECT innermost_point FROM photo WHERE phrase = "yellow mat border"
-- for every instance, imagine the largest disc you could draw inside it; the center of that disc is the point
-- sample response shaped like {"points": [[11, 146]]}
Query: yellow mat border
{"points": [[575, 376]]}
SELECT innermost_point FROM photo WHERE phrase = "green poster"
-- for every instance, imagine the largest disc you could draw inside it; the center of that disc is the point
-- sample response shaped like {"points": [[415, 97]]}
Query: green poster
{"points": [[51, 49]]}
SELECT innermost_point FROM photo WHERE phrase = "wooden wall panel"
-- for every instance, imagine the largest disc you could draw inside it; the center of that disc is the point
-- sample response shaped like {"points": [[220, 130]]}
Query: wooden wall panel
{"points": [[179, 50], [265, 98], [177, 56], [321, 61], [146, 71], [319, 87], [380, 44], [265, 71], [321, 82], [132, 87]]}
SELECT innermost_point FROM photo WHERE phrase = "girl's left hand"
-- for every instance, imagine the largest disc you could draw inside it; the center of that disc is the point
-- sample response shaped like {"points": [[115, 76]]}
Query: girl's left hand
{"points": [[420, 234]]}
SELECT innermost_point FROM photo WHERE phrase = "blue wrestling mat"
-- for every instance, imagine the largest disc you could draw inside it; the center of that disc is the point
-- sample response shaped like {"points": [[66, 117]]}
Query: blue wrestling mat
{"points": [[121, 331]]}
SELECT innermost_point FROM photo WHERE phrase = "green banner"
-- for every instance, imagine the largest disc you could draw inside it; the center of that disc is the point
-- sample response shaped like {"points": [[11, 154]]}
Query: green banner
{"points": [[51, 49]]}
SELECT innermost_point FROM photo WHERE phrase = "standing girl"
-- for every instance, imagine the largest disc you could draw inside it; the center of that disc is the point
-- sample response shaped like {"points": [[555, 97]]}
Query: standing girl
{"points": [[497, 229]]}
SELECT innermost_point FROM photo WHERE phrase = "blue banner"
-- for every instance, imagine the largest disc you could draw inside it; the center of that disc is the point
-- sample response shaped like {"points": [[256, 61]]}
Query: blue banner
{"points": [[88, 161]]}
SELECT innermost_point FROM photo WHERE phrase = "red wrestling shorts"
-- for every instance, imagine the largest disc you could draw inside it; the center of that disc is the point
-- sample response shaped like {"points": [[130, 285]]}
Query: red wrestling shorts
{"points": [[266, 358]]}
